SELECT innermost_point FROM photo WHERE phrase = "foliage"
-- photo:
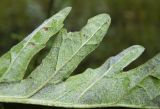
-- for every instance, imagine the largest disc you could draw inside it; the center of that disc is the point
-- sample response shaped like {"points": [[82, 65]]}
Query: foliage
{"points": [[51, 84], [135, 22]]}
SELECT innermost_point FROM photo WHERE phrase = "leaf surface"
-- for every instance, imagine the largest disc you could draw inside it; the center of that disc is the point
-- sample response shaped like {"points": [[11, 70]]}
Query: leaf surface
{"points": [[137, 88], [106, 86], [14, 63], [68, 50]]}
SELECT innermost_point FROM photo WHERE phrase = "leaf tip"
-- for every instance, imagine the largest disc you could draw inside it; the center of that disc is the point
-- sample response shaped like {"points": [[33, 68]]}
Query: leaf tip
{"points": [[67, 10], [140, 49], [106, 17], [101, 18]]}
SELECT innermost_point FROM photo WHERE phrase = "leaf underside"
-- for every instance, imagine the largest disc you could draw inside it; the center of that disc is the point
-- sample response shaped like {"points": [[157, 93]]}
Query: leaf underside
{"points": [[49, 84], [14, 63]]}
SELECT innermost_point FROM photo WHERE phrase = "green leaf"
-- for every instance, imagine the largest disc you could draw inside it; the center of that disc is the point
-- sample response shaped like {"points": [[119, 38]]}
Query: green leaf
{"points": [[107, 86], [102, 87], [14, 63], [68, 50]]}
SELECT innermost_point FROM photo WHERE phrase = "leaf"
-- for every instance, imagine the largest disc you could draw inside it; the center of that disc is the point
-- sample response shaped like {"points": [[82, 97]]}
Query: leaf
{"points": [[68, 50], [14, 63], [107, 86], [137, 88]]}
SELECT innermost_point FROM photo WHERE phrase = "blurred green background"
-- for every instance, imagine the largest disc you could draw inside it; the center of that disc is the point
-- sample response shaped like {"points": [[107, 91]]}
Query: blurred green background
{"points": [[133, 22]]}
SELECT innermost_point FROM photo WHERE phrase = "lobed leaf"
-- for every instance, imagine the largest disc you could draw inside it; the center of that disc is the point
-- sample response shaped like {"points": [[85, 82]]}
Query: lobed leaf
{"points": [[68, 50], [137, 88], [107, 86]]}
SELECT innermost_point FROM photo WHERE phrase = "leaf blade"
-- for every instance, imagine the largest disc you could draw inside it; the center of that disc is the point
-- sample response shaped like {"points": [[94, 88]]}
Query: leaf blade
{"points": [[55, 72], [15, 62], [106, 86], [54, 91]]}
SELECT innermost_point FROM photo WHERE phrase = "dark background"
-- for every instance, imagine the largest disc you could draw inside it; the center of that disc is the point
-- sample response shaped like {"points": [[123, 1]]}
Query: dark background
{"points": [[133, 22]]}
